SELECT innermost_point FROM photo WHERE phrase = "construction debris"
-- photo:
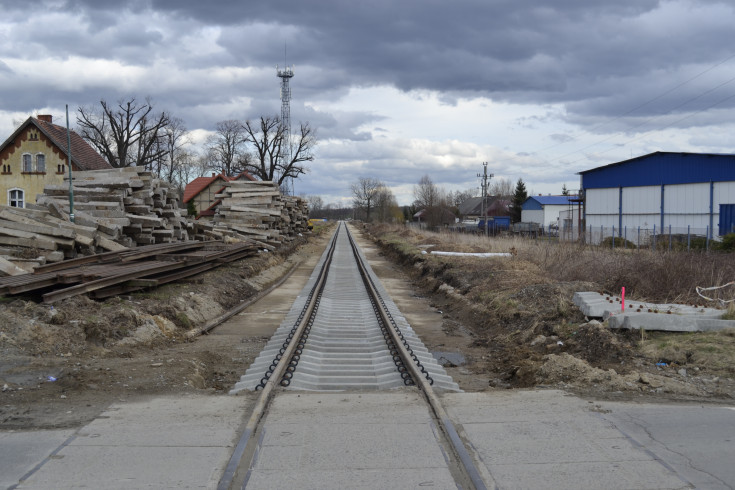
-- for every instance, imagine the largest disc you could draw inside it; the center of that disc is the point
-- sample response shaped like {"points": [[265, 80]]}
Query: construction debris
{"points": [[257, 211], [128, 206], [118, 209], [121, 272]]}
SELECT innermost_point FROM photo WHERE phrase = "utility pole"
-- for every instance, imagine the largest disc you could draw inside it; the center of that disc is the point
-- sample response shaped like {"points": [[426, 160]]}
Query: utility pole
{"points": [[484, 176], [68, 154]]}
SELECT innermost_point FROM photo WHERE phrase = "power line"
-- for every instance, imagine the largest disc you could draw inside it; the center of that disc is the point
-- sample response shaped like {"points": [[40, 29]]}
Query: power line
{"points": [[634, 109], [653, 118], [668, 125]]}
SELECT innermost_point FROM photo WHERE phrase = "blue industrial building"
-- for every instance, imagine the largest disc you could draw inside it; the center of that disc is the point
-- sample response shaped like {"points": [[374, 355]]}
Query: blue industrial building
{"points": [[662, 192], [545, 210]]}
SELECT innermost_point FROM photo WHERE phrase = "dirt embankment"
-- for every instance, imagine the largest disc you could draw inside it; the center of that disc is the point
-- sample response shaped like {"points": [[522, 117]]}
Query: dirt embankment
{"points": [[512, 321], [60, 366], [523, 317]]}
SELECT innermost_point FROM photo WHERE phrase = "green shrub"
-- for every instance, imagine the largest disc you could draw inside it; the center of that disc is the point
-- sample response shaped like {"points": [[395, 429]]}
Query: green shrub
{"points": [[728, 243], [620, 242], [191, 208]]}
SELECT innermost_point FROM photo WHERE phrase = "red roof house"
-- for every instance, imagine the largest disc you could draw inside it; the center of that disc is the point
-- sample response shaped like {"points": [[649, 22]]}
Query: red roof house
{"points": [[202, 190]]}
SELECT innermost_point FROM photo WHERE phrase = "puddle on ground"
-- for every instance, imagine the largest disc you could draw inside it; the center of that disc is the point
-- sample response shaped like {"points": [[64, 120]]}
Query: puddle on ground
{"points": [[449, 359]]}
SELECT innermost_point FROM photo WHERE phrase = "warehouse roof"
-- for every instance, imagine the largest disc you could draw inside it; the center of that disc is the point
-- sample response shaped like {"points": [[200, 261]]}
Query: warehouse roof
{"points": [[537, 202], [662, 168]]}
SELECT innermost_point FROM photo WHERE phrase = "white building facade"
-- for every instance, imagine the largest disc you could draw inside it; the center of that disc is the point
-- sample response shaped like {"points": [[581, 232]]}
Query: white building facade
{"points": [[660, 193]]}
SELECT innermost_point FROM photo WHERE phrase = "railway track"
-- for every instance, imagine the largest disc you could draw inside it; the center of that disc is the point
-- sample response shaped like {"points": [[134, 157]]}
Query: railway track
{"points": [[342, 334]]}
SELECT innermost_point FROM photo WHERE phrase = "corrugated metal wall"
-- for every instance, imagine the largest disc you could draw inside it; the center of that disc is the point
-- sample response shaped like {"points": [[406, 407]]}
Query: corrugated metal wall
{"points": [[532, 216], [664, 190], [684, 206]]}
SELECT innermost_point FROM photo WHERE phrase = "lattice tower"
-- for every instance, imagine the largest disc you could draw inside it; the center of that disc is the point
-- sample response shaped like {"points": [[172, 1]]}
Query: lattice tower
{"points": [[285, 75]]}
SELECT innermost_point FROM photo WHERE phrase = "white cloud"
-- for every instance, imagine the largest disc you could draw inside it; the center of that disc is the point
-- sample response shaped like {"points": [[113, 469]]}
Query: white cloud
{"points": [[399, 90]]}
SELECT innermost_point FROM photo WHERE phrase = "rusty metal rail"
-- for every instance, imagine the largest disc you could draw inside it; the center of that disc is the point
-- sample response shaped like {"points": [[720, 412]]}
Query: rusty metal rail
{"points": [[125, 271]]}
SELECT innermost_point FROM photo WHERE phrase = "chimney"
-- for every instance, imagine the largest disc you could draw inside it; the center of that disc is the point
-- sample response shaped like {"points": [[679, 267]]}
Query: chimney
{"points": [[213, 174], [46, 118]]}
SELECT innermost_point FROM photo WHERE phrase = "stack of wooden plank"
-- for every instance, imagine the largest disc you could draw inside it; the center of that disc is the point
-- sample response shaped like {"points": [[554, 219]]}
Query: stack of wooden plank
{"points": [[252, 209], [294, 217], [33, 237], [257, 211], [127, 205], [124, 208]]}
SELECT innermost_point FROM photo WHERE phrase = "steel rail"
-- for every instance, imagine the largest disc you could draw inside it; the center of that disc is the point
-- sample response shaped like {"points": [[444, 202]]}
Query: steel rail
{"points": [[207, 327], [241, 459], [419, 377], [237, 470]]}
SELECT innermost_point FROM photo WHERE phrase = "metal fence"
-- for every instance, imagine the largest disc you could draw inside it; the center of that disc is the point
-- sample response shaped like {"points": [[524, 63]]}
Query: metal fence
{"points": [[656, 238]]}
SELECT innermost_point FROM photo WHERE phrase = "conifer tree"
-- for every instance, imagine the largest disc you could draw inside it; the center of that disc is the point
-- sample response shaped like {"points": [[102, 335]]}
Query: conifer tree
{"points": [[519, 197]]}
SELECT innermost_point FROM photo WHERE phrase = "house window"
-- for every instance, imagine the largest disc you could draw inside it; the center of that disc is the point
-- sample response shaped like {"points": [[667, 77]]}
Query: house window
{"points": [[27, 164], [33, 136], [40, 162], [16, 198]]}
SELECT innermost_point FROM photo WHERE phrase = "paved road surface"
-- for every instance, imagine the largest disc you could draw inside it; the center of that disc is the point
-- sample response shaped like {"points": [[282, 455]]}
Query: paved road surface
{"points": [[524, 439]]}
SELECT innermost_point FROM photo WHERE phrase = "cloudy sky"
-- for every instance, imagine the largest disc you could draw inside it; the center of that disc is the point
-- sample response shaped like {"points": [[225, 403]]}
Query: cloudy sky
{"points": [[398, 89]]}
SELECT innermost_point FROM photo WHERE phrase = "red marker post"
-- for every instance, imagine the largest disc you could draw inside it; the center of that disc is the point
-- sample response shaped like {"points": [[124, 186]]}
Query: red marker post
{"points": [[622, 301]]}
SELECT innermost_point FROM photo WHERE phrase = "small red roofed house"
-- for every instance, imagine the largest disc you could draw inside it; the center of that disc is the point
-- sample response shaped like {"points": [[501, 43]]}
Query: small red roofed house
{"points": [[202, 191], [35, 156]]}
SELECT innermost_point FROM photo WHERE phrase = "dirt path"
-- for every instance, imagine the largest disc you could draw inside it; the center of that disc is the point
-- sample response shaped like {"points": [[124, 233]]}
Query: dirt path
{"points": [[60, 390]]}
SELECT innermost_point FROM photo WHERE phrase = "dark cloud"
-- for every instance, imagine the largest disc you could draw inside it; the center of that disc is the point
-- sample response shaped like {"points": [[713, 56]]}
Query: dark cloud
{"points": [[610, 68], [591, 55]]}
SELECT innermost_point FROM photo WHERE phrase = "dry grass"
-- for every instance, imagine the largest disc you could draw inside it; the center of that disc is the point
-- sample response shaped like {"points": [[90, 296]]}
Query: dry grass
{"points": [[646, 275], [712, 351]]}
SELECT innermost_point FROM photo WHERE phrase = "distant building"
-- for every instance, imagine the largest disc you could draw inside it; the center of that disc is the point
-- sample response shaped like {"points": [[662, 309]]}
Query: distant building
{"points": [[437, 216], [202, 191], [473, 208], [689, 192], [35, 156], [545, 210]]}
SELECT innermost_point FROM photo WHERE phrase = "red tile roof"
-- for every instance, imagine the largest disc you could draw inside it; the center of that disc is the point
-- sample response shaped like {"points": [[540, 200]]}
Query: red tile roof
{"points": [[197, 185], [83, 155]]}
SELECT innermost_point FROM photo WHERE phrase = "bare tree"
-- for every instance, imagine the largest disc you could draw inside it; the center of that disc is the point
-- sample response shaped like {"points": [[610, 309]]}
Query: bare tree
{"points": [[125, 135], [458, 197], [275, 158], [188, 166], [429, 196], [387, 206], [501, 188], [316, 204], [226, 149], [175, 138], [266, 137], [300, 150], [426, 194], [364, 193]]}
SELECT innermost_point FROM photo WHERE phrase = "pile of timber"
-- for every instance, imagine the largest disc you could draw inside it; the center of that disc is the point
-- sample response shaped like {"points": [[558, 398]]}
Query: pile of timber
{"points": [[295, 216], [256, 210], [112, 273], [117, 209], [128, 206], [33, 237]]}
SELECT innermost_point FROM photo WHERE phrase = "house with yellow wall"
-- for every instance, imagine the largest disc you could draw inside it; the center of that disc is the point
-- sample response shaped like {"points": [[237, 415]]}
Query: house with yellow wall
{"points": [[35, 155]]}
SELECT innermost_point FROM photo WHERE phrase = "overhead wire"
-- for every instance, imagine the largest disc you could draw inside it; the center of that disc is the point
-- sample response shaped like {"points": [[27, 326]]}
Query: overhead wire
{"points": [[639, 106]]}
